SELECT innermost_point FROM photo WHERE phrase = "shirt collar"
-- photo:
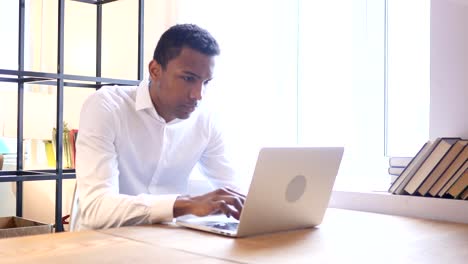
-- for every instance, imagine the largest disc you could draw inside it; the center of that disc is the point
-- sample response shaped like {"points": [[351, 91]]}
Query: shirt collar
{"points": [[143, 101], [143, 98]]}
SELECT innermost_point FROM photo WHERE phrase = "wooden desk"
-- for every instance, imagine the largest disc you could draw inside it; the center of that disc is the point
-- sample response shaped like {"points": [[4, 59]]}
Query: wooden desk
{"points": [[344, 237], [91, 247]]}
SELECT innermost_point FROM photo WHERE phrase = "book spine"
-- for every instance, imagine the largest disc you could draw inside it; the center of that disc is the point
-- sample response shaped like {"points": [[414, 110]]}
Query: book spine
{"points": [[453, 179], [449, 172], [407, 170], [431, 162], [423, 155]]}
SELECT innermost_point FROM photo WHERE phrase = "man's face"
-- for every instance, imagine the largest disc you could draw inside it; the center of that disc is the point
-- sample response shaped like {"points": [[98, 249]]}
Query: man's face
{"points": [[176, 91]]}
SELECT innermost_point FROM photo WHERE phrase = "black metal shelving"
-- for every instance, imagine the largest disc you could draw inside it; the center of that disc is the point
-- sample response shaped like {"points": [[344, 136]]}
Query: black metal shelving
{"points": [[61, 80]]}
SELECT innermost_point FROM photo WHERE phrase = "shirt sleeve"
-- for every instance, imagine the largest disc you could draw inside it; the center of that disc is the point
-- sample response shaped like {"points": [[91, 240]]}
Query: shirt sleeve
{"points": [[215, 163], [101, 204]]}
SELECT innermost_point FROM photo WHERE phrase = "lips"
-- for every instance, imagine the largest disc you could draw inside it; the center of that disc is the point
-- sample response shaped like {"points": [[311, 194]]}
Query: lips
{"points": [[189, 107]]}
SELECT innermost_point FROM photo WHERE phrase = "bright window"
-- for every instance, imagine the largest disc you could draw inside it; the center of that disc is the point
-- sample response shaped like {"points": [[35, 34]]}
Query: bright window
{"points": [[408, 76], [255, 86], [310, 73]]}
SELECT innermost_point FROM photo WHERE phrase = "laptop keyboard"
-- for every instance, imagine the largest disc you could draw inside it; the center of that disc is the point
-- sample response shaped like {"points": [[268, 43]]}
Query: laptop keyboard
{"points": [[224, 226]]}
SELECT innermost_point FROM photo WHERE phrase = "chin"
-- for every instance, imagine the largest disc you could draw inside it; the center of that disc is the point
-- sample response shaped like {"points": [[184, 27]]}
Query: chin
{"points": [[184, 116]]}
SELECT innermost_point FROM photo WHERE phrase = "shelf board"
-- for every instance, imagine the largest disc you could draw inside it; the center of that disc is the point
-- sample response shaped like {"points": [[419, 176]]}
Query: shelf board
{"points": [[95, 2], [35, 175], [441, 209], [51, 79]]}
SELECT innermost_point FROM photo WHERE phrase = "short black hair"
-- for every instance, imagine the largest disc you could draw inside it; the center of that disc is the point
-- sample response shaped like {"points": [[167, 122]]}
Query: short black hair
{"points": [[184, 35]]}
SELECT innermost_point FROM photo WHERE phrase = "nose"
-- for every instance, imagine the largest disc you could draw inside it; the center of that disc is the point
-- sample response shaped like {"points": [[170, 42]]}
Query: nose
{"points": [[197, 92]]}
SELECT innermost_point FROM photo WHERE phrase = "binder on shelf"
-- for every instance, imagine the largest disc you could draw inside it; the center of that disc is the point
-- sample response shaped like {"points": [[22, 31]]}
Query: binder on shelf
{"points": [[72, 141], [50, 153], [66, 147]]}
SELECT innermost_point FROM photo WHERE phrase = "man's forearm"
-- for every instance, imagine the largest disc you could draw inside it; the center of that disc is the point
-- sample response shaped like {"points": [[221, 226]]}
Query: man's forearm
{"points": [[182, 206]]}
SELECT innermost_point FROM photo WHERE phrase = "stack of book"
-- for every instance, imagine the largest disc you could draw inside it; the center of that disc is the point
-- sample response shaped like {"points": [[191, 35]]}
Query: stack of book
{"points": [[68, 153], [397, 165], [439, 169]]}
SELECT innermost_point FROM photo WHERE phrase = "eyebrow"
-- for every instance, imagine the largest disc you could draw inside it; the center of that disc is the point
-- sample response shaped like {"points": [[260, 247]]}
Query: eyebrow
{"points": [[195, 75]]}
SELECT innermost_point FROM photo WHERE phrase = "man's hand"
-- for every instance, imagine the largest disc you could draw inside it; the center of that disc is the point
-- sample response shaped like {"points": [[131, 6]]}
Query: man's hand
{"points": [[221, 201]]}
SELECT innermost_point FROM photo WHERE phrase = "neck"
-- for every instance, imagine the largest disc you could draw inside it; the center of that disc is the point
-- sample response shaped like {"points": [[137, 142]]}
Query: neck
{"points": [[153, 91]]}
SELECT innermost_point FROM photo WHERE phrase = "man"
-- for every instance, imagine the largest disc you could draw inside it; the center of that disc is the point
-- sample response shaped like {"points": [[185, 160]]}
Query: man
{"points": [[137, 145]]}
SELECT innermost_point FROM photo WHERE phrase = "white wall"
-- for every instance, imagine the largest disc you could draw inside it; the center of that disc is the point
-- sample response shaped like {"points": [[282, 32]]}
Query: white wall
{"points": [[449, 68]]}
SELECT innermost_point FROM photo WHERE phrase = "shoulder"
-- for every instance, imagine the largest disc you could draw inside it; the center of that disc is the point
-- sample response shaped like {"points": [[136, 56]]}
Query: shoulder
{"points": [[110, 98], [100, 114]]}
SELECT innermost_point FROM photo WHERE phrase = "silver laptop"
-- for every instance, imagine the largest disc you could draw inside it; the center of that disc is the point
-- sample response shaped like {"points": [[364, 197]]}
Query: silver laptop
{"points": [[290, 189]]}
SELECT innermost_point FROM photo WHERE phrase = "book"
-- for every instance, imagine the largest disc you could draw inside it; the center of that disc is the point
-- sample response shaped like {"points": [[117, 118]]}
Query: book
{"points": [[453, 179], [395, 170], [464, 195], [442, 166], [72, 142], [400, 162], [441, 147], [394, 173], [459, 185], [447, 174], [398, 185], [49, 149], [393, 178], [66, 151]]}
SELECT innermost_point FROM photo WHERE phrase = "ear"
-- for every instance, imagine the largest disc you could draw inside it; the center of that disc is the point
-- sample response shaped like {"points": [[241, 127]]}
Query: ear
{"points": [[154, 70]]}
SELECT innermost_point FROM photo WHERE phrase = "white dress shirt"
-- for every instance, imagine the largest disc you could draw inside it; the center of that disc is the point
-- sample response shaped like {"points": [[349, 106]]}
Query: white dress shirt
{"points": [[131, 165]]}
